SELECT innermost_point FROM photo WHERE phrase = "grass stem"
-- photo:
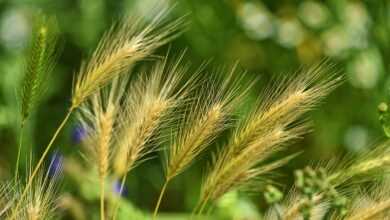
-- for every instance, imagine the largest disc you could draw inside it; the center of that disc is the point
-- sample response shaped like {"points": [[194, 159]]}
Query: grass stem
{"points": [[160, 199], [19, 151], [40, 163], [199, 208], [102, 185], [203, 205], [116, 206]]}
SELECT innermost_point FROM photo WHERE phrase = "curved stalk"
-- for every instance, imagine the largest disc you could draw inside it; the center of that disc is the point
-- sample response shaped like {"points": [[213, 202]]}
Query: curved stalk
{"points": [[102, 185], [203, 205], [199, 208], [40, 163], [116, 206], [19, 151], [160, 199]]}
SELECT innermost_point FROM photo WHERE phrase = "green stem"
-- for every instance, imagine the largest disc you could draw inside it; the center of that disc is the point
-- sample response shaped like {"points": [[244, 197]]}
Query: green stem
{"points": [[19, 151], [102, 185], [199, 208], [203, 205], [116, 206], [160, 199], [39, 164]]}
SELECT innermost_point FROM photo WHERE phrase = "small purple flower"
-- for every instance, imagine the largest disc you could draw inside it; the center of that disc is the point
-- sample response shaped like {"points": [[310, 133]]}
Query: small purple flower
{"points": [[55, 167], [78, 134], [116, 188]]}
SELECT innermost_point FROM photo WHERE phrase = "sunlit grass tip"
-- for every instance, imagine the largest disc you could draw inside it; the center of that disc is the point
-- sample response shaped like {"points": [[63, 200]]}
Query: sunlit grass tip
{"points": [[275, 121]]}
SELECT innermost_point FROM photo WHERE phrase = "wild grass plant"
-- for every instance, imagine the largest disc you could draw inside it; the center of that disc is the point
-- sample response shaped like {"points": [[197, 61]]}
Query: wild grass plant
{"points": [[131, 113]]}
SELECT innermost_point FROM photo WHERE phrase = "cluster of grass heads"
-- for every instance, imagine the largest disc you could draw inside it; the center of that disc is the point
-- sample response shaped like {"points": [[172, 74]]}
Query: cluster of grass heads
{"points": [[128, 117]]}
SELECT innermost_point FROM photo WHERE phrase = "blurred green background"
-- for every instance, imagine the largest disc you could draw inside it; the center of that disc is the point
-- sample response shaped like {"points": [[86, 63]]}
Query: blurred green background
{"points": [[267, 38]]}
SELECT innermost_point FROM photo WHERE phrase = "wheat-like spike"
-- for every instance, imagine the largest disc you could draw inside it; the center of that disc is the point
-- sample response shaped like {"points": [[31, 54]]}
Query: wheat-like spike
{"points": [[40, 201], [147, 106], [124, 44], [40, 62], [374, 211], [99, 117], [372, 205], [117, 51], [377, 159], [271, 125], [206, 119], [195, 139]]}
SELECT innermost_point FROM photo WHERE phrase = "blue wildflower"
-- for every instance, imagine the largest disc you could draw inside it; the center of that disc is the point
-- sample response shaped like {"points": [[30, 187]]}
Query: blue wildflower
{"points": [[116, 188], [78, 134]]}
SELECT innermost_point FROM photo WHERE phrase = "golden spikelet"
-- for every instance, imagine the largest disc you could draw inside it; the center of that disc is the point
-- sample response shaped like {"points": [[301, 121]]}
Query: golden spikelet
{"points": [[124, 44], [373, 205], [99, 118], [147, 106], [376, 210], [195, 139], [373, 161], [265, 131], [206, 119], [40, 201]]}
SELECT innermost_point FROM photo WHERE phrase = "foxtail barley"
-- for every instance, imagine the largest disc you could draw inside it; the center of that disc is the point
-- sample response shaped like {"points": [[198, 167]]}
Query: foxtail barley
{"points": [[150, 104], [377, 159], [126, 43], [40, 200], [207, 118], [40, 203], [372, 203], [99, 116], [119, 49], [266, 130]]}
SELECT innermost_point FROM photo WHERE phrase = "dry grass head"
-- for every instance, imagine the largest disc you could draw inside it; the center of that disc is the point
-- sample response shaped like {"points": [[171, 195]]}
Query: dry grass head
{"points": [[371, 163], [99, 117], [127, 42], [273, 123], [373, 205], [40, 202], [149, 105], [207, 116]]}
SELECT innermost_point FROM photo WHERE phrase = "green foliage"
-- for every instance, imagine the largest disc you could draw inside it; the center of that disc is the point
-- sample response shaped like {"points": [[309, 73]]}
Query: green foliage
{"points": [[311, 183]]}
